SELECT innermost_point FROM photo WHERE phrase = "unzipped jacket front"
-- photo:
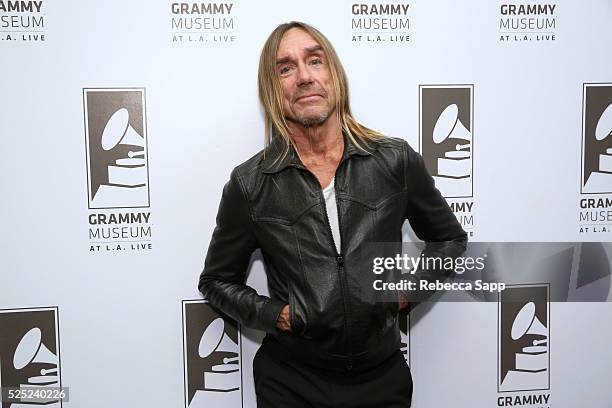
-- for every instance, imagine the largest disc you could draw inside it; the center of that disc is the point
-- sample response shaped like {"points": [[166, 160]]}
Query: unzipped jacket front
{"points": [[272, 202]]}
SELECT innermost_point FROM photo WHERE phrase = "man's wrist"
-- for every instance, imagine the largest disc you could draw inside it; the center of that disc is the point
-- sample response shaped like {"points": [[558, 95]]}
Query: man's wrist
{"points": [[270, 313]]}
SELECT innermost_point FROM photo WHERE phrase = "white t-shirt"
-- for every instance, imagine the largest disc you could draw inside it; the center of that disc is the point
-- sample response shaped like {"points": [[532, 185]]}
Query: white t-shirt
{"points": [[329, 194]]}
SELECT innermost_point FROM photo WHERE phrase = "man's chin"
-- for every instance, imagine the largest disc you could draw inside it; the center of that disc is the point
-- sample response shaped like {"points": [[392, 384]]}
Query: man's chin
{"points": [[309, 119]]}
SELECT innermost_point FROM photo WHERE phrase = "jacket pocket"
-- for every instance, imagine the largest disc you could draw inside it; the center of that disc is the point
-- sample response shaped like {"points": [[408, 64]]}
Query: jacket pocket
{"points": [[296, 312]]}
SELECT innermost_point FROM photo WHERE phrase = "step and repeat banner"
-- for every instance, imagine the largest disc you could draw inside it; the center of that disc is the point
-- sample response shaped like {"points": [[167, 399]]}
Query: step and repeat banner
{"points": [[120, 122]]}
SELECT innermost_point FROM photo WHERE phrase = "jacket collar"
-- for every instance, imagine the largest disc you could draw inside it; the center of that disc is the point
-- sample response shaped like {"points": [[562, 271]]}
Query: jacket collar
{"points": [[275, 160]]}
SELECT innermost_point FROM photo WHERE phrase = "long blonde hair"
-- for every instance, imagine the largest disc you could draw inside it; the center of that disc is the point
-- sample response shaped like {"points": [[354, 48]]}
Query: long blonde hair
{"points": [[271, 96]]}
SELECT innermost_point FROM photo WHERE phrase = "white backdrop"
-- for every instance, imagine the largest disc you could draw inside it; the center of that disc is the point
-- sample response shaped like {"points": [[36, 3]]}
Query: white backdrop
{"points": [[119, 338]]}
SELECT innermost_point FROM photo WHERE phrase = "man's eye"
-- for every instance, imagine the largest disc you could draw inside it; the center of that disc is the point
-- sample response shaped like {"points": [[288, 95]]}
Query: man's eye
{"points": [[316, 61], [284, 70]]}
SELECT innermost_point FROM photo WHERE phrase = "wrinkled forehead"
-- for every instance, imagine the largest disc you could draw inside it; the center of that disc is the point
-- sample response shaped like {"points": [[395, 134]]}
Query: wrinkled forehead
{"points": [[295, 42]]}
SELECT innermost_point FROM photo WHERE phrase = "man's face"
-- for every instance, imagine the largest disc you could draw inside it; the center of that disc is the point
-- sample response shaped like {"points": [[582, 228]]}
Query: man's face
{"points": [[308, 93]]}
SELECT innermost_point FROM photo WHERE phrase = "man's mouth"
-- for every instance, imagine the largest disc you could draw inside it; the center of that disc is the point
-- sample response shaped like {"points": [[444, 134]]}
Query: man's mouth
{"points": [[308, 97]]}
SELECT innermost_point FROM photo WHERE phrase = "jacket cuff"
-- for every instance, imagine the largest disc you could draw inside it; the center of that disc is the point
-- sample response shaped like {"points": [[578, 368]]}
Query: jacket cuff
{"points": [[269, 314]]}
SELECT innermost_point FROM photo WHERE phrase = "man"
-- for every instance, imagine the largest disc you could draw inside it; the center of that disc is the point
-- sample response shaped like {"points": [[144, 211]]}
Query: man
{"points": [[323, 188]]}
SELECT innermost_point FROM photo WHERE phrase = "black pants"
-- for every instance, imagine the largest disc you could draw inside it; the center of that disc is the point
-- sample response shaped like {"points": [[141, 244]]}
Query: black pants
{"points": [[287, 383]]}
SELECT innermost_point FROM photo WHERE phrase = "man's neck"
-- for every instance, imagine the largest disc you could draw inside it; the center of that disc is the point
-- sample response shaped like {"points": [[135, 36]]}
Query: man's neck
{"points": [[320, 148], [318, 145]]}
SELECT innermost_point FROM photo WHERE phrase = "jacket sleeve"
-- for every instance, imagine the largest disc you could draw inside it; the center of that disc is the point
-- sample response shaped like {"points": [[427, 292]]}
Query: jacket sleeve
{"points": [[223, 280], [431, 219]]}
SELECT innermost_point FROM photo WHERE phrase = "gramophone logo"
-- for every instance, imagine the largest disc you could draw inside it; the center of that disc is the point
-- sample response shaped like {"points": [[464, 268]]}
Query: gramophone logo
{"points": [[524, 338], [116, 137], [211, 346], [446, 137], [29, 353], [596, 139]]}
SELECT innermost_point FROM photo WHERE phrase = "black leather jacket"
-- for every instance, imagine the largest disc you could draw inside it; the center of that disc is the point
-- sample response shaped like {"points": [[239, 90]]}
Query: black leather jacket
{"points": [[278, 206]]}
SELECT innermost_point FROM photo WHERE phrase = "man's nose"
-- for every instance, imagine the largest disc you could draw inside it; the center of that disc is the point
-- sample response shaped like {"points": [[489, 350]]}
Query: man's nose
{"points": [[304, 75]]}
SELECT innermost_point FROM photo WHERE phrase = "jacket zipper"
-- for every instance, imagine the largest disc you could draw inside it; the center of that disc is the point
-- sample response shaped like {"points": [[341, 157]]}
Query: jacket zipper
{"points": [[340, 263], [343, 281]]}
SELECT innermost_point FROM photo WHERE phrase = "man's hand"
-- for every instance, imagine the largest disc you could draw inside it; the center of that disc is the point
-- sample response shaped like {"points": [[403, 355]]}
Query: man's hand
{"points": [[284, 319]]}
